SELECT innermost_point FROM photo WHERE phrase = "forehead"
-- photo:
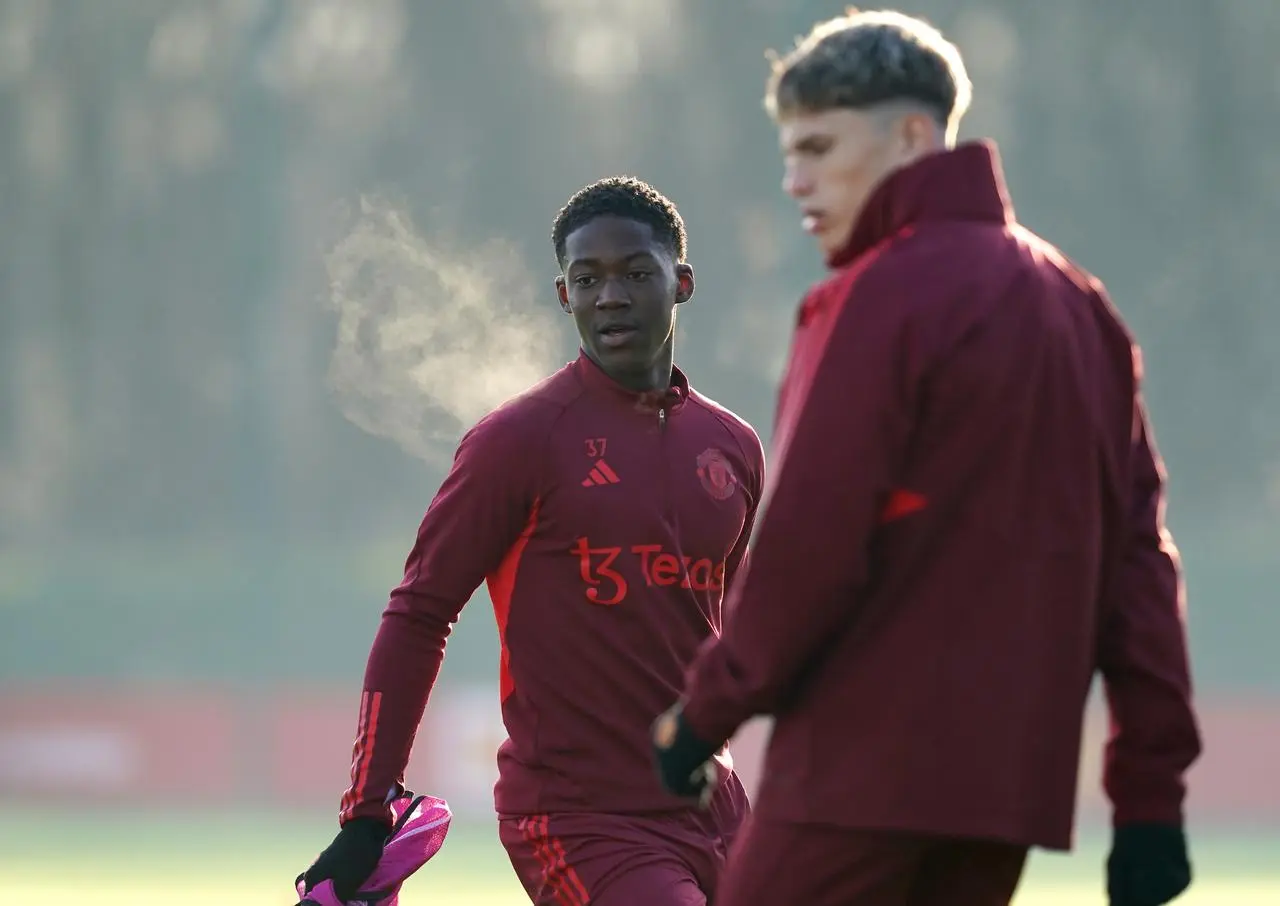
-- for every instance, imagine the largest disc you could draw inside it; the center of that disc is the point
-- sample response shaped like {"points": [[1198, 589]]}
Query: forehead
{"points": [[611, 238], [798, 128]]}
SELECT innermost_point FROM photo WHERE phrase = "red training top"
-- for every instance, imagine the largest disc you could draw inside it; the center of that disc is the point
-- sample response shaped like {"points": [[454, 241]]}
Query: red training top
{"points": [[606, 524]]}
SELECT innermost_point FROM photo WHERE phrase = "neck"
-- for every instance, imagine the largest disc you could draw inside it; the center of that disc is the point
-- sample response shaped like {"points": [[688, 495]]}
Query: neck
{"points": [[654, 377]]}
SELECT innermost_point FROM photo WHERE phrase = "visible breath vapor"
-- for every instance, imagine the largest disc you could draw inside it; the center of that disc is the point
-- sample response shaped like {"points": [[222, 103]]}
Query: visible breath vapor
{"points": [[430, 336]]}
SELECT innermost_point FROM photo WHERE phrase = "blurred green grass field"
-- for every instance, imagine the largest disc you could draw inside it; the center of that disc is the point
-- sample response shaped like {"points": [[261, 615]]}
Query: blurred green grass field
{"points": [[68, 859]]}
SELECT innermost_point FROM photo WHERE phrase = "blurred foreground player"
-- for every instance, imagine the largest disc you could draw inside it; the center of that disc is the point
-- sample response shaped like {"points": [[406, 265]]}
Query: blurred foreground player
{"points": [[964, 522], [606, 508]]}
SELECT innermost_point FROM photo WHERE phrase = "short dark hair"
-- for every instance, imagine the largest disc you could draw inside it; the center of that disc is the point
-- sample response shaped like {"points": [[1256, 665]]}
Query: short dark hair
{"points": [[863, 59], [625, 197]]}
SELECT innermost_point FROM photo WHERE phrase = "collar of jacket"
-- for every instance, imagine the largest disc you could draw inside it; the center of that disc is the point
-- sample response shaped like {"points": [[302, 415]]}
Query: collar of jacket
{"points": [[595, 379], [963, 183]]}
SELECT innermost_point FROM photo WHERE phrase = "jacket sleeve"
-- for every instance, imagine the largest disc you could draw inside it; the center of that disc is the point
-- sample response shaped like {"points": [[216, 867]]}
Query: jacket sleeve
{"points": [[478, 513], [838, 446], [1142, 656]]}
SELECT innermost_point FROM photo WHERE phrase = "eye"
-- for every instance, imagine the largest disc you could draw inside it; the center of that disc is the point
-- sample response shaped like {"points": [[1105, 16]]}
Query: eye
{"points": [[813, 148], [584, 280], [639, 276]]}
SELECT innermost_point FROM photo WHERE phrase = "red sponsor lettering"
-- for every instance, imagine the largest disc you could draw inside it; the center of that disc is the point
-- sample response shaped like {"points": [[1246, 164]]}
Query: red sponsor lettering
{"points": [[596, 574], [666, 570], [704, 575], [663, 569], [606, 585]]}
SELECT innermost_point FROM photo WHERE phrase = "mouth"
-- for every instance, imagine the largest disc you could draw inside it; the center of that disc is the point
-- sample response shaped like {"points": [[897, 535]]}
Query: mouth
{"points": [[616, 335], [811, 221]]}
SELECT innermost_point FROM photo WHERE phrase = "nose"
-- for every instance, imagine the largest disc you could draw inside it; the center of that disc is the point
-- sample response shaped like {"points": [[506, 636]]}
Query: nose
{"points": [[612, 295], [795, 182]]}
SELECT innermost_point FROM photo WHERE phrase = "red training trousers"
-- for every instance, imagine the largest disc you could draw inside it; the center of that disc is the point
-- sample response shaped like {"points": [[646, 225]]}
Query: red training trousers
{"points": [[782, 864], [588, 859]]}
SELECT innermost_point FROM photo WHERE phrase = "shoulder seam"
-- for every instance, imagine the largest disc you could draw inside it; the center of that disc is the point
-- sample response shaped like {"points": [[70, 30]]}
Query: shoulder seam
{"points": [[544, 447], [539, 447]]}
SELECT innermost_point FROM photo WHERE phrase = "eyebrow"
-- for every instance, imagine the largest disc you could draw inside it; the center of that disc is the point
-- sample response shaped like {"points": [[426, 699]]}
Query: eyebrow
{"points": [[811, 142], [584, 262]]}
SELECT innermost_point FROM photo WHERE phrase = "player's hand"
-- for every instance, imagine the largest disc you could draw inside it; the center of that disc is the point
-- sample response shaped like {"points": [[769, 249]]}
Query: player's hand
{"points": [[684, 761], [1148, 865], [351, 858]]}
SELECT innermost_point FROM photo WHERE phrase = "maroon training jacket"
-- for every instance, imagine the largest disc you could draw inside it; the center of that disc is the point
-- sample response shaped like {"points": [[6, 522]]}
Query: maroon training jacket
{"points": [[963, 524]]}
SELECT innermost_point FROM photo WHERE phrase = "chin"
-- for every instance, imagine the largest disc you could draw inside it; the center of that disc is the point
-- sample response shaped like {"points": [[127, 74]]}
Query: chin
{"points": [[624, 358]]}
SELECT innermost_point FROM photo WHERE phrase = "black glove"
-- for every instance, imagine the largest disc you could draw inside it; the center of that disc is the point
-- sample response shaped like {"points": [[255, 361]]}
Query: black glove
{"points": [[350, 858], [1148, 865], [684, 761]]}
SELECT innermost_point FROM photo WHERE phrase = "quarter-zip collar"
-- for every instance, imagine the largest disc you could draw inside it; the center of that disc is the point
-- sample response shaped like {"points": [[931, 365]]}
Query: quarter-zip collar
{"points": [[669, 400]]}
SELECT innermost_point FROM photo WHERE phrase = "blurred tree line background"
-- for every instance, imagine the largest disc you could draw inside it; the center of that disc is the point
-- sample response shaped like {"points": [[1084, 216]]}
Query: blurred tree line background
{"points": [[263, 261]]}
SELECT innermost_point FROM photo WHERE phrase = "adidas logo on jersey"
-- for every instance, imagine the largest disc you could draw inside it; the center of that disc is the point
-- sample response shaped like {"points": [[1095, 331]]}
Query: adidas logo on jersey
{"points": [[600, 474]]}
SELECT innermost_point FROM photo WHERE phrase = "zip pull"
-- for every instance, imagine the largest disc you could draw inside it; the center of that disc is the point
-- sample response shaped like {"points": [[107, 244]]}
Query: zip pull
{"points": [[662, 418]]}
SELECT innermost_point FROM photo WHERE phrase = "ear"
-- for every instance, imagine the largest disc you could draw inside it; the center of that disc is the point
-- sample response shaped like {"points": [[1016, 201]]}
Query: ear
{"points": [[920, 133], [562, 293], [684, 283]]}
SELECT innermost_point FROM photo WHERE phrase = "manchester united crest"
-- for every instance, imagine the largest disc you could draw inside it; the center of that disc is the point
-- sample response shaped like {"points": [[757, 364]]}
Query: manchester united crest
{"points": [[716, 474]]}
